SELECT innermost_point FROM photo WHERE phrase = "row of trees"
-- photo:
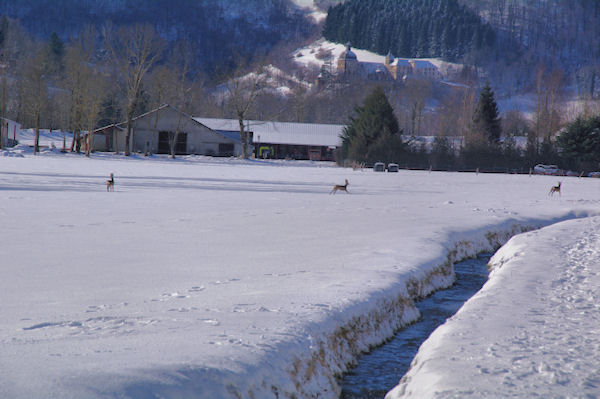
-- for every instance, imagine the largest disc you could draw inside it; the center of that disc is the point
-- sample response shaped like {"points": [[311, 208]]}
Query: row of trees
{"points": [[106, 76], [373, 134]]}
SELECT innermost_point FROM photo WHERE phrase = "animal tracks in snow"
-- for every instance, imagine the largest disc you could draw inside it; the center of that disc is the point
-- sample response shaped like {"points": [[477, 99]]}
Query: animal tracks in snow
{"points": [[93, 326]]}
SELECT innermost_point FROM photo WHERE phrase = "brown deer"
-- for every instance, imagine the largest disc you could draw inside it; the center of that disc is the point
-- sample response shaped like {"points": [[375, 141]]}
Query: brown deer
{"points": [[555, 189], [341, 187], [110, 184]]}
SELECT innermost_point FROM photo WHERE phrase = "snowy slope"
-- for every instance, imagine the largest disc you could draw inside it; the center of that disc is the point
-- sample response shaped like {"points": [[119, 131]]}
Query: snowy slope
{"points": [[208, 278], [316, 14], [532, 331]]}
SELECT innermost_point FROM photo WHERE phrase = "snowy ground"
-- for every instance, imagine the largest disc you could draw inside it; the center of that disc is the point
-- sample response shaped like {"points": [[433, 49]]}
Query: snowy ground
{"points": [[224, 278], [532, 331]]}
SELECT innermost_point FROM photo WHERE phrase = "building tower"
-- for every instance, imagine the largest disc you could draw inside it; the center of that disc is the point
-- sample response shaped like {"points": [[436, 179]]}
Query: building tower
{"points": [[348, 62]]}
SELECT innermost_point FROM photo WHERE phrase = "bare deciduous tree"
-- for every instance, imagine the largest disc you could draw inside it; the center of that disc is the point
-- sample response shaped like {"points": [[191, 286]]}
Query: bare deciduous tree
{"points": [[174, 83], [184, 83], [34, 92], [78, 73], [134, 51], [242, 91]]}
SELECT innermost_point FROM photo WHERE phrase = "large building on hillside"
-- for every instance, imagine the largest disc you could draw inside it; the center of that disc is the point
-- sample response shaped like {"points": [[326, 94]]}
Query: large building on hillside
{"points": [[392, 69]]}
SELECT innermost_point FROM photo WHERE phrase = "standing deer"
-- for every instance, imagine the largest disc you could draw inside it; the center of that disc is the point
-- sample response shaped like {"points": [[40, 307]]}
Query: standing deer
{"points": [[110, 184]]}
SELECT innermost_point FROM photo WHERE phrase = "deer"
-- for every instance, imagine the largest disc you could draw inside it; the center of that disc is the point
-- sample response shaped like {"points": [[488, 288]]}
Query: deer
{"points": [[555, 189], [110, 183], [340, 187]]}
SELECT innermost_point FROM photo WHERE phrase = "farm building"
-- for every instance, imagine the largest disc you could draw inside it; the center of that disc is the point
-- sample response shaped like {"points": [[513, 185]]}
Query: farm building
{"points": [[107, 138], [9, 132], [312, 141], [154, 131]]}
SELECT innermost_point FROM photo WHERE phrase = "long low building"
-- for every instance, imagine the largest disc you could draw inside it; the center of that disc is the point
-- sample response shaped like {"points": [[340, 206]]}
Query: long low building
{"points": [[154, 131], [284, 139]]}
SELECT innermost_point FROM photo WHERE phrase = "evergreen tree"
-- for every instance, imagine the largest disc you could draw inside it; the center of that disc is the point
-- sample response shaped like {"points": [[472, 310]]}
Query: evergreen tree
{"points": [[486, 122], [373, 134], [55, 52], [3, 30], [409, 28], [442, 154], [580, 143]]}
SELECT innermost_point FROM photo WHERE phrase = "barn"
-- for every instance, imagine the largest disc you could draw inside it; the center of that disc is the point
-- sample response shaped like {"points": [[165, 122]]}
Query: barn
{"points": [[313, 141], [153, 132], [9, 132]]}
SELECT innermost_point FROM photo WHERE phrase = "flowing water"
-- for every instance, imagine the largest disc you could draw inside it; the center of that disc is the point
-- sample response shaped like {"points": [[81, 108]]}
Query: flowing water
{"points": [[380, 370]]}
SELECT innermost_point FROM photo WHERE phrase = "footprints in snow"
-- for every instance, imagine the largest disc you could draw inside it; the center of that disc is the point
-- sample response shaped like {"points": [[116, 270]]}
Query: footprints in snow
{"points": [[93, 326], [119, 325]]}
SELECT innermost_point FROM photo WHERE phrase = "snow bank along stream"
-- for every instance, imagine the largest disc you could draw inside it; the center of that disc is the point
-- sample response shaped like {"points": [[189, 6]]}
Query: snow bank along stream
{"points": [[379, 370], [532, 331], [217, 278]]}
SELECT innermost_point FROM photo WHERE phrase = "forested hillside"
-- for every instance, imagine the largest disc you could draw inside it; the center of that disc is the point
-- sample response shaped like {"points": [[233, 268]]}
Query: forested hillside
{"points": [[217, 28], [409, 28], [557, 31]]}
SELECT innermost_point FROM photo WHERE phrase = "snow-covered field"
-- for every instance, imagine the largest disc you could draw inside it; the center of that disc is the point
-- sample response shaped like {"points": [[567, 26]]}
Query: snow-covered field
{"points": [[221, 278]]}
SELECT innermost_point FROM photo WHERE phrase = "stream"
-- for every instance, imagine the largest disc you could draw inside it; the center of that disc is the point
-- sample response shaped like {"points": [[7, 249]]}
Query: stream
{"points": [[380, 370]]}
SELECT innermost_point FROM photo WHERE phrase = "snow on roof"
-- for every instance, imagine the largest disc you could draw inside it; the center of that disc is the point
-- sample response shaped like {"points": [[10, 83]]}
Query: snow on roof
{"points": [[308, 55], [282, 132], [401, 62], [422, 64], [373, 67]]}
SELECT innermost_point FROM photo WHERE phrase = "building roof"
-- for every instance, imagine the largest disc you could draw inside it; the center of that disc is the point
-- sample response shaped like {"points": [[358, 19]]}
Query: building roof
{"points": [[348, 54], [374, 67], [404, 62], [290, 133], [231, 135], [422, 64]]}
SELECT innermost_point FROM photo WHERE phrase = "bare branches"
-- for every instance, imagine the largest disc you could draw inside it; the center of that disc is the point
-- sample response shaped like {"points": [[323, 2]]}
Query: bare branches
{"points": [[242, 91], [133, 51], [34, 92]]}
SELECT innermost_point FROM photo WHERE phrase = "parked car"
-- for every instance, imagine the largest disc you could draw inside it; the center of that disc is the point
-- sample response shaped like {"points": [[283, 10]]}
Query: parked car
{"points": [[542, 169], [392, 167], [379, 167]]}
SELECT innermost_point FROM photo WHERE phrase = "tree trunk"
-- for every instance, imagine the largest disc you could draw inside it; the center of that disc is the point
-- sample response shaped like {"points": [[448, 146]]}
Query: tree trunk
{"points": [[90, 141], [176, 135], [36, 145], [73, 142], [128, 136], [77, 141], [243, 138], [174, 143]]}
